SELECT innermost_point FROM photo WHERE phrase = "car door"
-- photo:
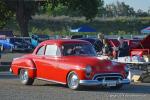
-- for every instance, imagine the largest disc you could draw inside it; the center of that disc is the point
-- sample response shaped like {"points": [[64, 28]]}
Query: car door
{"points": [[39, 62], [52, 54]]}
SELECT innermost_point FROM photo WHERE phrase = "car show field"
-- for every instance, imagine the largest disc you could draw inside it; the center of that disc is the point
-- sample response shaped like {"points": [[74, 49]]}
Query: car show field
{"points": [[74, 50], [44, 88]]}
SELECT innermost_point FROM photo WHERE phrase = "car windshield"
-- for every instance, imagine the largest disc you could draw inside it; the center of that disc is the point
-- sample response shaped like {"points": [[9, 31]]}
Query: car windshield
{"points": [[81, 49]]}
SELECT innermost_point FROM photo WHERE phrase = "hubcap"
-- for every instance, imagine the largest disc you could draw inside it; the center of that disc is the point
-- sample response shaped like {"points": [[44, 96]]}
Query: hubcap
{"points": [[24, 75], [73, 81]]}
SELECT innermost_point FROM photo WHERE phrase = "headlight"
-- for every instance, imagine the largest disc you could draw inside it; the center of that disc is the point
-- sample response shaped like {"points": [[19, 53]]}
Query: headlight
{"points": [[88, 69]]}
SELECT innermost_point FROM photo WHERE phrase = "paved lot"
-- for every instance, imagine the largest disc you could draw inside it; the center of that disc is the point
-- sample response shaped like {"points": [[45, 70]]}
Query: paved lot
{"points": [[6, 60], [12, 89], [8, 57]]}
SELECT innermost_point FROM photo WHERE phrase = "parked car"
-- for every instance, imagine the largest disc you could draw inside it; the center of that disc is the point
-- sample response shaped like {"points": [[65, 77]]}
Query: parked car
{"points": [[6, 45], [21, 44], [70, 62], [132, 43], [142, 49], [76, 36], [38, 38]]}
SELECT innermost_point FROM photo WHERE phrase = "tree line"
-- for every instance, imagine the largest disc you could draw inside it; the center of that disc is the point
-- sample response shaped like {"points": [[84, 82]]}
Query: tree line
{"points": [[118, 9], [23, 10]]}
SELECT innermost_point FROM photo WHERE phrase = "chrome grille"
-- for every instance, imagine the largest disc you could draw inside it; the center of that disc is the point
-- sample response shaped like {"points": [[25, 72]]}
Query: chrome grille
{"points": [[109, 76]]}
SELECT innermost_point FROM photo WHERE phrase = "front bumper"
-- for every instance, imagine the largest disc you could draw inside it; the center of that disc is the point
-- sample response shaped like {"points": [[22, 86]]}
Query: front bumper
{"points": [[103, 83]]}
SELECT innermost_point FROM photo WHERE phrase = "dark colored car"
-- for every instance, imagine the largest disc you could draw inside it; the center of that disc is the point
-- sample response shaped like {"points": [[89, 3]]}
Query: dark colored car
{"points": [[21, 44], [76, 36]]}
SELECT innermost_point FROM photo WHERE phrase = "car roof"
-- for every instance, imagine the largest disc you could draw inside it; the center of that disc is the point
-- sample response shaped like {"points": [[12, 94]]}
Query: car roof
{"points": [[63, 41]]}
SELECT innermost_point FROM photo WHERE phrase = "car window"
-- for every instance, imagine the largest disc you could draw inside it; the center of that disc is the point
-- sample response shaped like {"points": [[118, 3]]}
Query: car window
{"points": [[78, 49], [41, 50], [52, 50]]}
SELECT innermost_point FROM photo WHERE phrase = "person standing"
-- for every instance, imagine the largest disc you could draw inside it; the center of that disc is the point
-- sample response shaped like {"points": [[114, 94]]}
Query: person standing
{"points": [[99, 43], [107, 49], [123, 49]]}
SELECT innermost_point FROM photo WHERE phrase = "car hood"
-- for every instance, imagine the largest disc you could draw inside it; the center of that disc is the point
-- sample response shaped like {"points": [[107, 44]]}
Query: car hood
{"points": [[96, 63]]}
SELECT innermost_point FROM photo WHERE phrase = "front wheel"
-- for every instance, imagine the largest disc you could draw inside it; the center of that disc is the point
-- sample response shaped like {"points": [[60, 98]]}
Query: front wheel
{"points": [[73, 81], [24, 77]]}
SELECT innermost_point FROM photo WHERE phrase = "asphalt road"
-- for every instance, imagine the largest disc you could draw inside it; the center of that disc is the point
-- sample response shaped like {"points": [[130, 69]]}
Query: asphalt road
{"points": [[12, 89]]}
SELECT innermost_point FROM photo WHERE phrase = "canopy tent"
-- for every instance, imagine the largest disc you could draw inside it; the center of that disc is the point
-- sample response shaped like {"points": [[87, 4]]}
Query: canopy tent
{"points": [[146, 30], [83, 29]]}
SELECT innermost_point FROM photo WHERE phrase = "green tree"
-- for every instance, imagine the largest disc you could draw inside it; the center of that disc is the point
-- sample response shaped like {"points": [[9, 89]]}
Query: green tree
{"points": [[24, 9], [87, 8], [148, 11], [119, 9], [5, 14], [141, 13], [101, 8]]}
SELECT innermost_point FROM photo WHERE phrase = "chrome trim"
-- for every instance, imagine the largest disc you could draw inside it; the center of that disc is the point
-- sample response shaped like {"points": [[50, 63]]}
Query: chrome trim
{"points": [[106, 74], [103, 83], [26, 67], [104, 80], [108, 77], [49, 80]]}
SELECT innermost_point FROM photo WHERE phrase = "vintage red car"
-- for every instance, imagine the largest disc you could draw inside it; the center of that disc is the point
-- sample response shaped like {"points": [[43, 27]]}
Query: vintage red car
{"points": [[142, 48], [70, 62]]}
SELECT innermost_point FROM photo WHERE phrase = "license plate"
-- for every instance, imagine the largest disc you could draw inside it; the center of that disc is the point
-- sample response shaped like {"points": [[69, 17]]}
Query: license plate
{"points": [[111, 84]]}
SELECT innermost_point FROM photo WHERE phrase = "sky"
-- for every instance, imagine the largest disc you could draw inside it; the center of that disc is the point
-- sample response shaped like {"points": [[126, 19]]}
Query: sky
{"points": [[136, 4]]}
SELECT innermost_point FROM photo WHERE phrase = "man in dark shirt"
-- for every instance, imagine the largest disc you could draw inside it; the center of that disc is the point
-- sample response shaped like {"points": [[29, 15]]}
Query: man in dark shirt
{"points": [[123, 49], [99, 43]]}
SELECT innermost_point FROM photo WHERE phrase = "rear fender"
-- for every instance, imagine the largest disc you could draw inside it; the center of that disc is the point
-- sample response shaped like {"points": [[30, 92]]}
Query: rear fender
{"points": [[24, 63]]}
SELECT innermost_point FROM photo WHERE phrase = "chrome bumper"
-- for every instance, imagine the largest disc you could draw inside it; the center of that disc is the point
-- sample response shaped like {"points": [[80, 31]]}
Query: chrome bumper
{"points": [[103, 83]]}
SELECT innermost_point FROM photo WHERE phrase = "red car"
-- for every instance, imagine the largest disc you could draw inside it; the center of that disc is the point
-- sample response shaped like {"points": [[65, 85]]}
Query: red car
{"points": [[142, 48], [132, 43], [70, 62]]}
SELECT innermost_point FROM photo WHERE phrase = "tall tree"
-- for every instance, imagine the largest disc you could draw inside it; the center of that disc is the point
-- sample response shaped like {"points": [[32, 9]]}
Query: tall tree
{"points": [[148, 11], [101, 8], [5, 14], [23, 9], [119, 9], [26, 8], [87, 8], [141, 13]]}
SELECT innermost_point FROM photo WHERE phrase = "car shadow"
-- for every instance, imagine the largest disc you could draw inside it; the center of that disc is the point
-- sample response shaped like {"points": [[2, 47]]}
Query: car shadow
{"points": [[132, 88], [53, 85]]}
